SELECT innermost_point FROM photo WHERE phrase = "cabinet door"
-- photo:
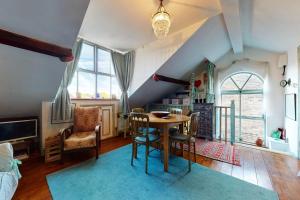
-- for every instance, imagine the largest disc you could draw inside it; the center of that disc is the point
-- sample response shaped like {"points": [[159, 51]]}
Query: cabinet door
{"points": [[107, 122], [205, 126]]}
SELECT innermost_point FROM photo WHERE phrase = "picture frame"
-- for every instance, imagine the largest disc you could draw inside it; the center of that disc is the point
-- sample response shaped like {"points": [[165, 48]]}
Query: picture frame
{"points": [[291, 106]]}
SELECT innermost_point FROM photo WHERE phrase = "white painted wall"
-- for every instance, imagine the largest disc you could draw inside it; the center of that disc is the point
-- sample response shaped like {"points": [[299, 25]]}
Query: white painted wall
{"points": [[149, 58], [26, 79], [292, 73], [263, 63]]}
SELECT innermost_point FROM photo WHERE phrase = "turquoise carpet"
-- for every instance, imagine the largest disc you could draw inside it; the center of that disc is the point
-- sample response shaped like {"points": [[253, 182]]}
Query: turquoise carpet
{"points": [[112, 178]]}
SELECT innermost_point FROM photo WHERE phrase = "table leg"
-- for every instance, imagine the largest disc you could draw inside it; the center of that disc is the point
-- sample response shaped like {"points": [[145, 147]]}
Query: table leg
{"points": [[181, 129], [166, 147], [135, 150], [181, 149], [125, 130]]}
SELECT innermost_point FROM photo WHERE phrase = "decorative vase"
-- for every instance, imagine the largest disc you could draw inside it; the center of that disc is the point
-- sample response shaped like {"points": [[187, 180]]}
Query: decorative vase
{"points": [[259, 142]]}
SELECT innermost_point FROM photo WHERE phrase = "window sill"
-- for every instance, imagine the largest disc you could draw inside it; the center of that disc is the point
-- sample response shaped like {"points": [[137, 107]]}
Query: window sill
{"points": [[79, 99]]}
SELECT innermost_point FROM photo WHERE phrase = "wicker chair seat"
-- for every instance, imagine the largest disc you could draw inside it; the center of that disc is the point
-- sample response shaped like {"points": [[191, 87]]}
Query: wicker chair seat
{"points": [[80, 140]]}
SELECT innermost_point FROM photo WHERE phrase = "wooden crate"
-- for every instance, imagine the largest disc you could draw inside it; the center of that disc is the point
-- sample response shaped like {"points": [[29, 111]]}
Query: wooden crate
{"points": [[52, 149]]}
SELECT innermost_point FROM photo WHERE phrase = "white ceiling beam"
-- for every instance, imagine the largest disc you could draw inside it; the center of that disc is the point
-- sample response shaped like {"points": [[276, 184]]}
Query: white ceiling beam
{"points": [[231, 13]]}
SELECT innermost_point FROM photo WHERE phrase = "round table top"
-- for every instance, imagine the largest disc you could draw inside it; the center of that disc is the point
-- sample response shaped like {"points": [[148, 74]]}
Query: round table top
{"points": [[173, 118]]}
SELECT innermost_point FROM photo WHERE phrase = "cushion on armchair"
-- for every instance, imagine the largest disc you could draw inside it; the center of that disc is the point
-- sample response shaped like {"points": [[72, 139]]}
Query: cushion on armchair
{"points": [[86, 119], [9, 172], [6, 157], [80, 140]]}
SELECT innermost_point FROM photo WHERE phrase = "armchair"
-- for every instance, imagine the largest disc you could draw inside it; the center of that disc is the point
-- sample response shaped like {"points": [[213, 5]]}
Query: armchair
{"points": [[84, 134]]}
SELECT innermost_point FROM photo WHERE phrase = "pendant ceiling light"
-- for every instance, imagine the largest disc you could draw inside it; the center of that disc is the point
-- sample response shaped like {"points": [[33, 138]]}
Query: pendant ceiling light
{"points": [[161, 22]]}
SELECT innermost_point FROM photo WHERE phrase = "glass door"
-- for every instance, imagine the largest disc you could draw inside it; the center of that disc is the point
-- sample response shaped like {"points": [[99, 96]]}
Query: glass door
{"points": [[246, 89]]}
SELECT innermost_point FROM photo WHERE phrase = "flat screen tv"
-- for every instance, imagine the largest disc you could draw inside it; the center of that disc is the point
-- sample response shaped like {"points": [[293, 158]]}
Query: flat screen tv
{"points": [[12, 130]]}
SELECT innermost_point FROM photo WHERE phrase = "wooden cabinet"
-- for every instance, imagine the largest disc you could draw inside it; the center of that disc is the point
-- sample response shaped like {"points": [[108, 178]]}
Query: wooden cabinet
{"points": [[107, 122], [109, 117], [205, 126]]}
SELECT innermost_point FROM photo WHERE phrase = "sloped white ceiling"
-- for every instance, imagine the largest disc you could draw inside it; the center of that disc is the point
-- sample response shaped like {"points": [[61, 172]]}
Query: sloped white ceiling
{"points": [[54, 21], [28, 78], [209, 41], [271, 24], [126, 24]]}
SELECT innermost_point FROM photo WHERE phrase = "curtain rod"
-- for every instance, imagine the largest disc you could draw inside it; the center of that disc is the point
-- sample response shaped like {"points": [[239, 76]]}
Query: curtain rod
{"points": [[102, 47], [250, 60]]}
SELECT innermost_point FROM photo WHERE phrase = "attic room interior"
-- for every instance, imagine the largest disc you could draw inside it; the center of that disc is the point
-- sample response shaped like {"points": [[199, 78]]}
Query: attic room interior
{"points": [[143, 99]]}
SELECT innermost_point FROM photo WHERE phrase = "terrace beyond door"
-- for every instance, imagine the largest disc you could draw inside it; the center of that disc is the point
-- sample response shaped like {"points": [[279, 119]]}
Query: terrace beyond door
{"points": [[246, 89]]}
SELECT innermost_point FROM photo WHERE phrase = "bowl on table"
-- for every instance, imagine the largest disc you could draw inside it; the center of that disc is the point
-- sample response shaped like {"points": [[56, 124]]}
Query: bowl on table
{"points": [[160, 114]]}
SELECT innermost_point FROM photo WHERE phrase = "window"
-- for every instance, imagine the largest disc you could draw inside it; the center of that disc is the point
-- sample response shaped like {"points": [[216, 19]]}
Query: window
{"points": [[246, 89], [95, 76]]}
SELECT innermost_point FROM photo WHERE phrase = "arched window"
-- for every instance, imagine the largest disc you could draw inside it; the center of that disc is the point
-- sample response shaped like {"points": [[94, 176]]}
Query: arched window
{"points": [[246, 89]]}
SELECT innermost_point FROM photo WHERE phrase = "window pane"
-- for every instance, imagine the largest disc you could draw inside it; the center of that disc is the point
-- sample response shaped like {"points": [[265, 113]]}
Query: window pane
{"points": [[228, 85], [237, 126], [251, 130], [86, 60], [73, 87], [226, 101], [254, 83], [252, 105], [112, 69], [86, 85], [240, 79], [104, 62], [103, 87], [115, 89]]}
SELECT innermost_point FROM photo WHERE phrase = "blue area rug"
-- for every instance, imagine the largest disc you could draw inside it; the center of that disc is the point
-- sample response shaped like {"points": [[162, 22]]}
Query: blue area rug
{"points": [[112, 177]]}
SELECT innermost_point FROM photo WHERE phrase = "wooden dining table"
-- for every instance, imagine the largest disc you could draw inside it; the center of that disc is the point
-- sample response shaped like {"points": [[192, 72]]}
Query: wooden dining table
{"points": [[164, 124]]}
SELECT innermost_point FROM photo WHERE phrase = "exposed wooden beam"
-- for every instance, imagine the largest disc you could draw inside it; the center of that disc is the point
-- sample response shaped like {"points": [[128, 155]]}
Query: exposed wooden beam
{"points": [[158, 77], [23, 42], [231, 13]]}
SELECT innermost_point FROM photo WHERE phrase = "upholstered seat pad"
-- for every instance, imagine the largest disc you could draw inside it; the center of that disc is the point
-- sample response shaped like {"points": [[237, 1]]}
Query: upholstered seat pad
{"points": [[180, 137], [150, 130], [80, 140], [152, 138], [173, 131]]}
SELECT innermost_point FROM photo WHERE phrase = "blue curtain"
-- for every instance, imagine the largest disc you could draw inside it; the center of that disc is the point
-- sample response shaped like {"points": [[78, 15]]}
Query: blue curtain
{"points": [[62, 101], [210, 94], [124, 67]]}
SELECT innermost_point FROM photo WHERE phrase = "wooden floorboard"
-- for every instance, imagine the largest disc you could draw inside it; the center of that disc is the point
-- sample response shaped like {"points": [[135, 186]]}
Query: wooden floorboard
{"points": [[238, 171], [269, 170], [283, 174], [262, 175], [249, 167]]}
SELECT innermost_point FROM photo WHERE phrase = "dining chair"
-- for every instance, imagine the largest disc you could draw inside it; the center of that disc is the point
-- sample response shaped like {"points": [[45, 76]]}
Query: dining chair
{"points": [[138, 110], [139, 124], [188, 138], [176, 111], [142, 110]]}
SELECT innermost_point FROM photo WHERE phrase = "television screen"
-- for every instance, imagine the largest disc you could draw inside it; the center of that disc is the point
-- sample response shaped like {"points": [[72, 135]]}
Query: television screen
{"points": [[12, 130]]}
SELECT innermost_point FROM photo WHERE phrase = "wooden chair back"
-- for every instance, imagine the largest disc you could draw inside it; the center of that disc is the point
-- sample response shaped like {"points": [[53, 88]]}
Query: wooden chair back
{"points": [[177, 111], [139, 124], [138, 110], [194, 124]]}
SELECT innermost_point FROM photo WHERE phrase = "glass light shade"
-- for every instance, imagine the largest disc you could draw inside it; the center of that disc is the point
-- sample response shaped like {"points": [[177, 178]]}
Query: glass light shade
{"points": [[161, 23]]}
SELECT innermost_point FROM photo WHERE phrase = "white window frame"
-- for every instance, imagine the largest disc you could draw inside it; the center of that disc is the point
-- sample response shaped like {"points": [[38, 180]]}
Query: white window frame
{"points": [[240, 91], [95, 71]]}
